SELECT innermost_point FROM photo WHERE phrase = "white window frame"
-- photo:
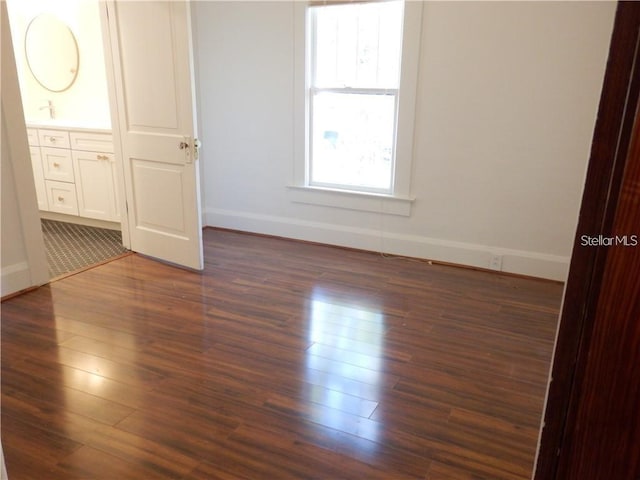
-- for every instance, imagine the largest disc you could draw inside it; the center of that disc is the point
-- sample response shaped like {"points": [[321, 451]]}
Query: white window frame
{"points": [[399, 201]]}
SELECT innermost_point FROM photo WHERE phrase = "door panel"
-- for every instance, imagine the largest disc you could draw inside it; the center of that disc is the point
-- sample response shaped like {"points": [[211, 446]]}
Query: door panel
{"points": [[156, 104], [166, 216], [151, 54]]}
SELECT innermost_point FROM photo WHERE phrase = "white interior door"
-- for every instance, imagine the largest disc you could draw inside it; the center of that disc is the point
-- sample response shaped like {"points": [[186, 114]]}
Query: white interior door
{"points": [[153, 111]]}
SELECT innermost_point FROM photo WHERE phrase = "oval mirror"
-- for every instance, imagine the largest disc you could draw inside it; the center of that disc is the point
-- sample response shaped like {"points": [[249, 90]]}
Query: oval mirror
{"points": [[52, 52]]}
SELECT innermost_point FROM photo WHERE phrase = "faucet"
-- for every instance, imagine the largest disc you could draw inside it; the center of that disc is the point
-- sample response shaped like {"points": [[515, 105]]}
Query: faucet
{"points": [[51, 108]]}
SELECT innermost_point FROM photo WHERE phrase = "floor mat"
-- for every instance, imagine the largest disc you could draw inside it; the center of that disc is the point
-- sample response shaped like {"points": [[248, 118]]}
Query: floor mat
{"points": [[71, 247]]}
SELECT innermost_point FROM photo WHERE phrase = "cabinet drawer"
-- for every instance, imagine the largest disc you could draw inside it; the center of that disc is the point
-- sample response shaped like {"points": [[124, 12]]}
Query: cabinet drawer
{"points": [[54, 138], [57, 164], [93, 142], [32, 134], [62, 197]]}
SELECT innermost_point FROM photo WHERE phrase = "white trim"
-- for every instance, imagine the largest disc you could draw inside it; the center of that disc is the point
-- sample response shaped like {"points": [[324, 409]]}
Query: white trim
{"points": [[302, 66], [407, 97], [355, 90], [522, 262], [350, 200], [15, 277], [91, 222], [105, 8]]}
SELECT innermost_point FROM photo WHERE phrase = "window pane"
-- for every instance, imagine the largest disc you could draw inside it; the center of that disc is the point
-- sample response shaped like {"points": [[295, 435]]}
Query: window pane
{"points": [[358, 45], [352, 140]]}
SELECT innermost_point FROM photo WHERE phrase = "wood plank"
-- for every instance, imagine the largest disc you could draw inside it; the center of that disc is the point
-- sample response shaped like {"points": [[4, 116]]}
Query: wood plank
{"points": [[19, 384], [282, 359], [89, 462]]}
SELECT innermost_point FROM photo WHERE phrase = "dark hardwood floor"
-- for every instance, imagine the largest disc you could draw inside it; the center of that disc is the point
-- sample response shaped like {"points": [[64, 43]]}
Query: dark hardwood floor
{"points": [[282, 360]]}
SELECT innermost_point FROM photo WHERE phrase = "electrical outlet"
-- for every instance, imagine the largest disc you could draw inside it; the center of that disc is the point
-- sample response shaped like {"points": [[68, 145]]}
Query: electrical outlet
{"points": [[496, 262]]}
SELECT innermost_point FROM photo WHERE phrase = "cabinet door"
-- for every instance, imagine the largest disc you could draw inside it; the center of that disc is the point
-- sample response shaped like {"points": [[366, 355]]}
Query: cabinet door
{"points": [[95, 185], [38, 177]]}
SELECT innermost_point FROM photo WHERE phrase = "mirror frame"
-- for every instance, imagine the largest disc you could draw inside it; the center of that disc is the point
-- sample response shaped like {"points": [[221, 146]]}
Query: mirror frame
{"points": [[40, 81]]}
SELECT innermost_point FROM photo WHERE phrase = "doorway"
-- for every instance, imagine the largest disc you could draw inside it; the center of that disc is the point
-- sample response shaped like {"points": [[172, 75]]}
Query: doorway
{"points": [[66, 106]]}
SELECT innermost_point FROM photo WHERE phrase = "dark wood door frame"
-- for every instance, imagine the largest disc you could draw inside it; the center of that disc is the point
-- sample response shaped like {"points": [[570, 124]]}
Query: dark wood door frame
{"points": [[592, 418]]}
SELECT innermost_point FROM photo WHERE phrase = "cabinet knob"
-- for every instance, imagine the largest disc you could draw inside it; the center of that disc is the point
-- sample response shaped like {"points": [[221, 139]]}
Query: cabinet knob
{"points": [[52, 139], [60, 198], [56, 164]]}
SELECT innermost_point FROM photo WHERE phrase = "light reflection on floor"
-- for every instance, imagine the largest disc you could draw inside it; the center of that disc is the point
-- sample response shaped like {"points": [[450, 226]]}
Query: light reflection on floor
{"points": [[344, 364]]}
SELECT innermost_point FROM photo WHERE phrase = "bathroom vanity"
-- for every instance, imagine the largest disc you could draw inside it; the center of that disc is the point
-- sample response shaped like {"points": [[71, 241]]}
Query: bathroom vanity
{"points": [[74, 171]]}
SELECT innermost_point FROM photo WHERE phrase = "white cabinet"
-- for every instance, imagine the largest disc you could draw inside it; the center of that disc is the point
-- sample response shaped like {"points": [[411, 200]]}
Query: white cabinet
{"points": [[38, 176], [74, 171], [95, 185]]}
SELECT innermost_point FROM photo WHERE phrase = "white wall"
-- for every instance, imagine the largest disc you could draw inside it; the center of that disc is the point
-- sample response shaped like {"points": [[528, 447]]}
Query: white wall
{"points": [[86, 102], [507, 99]]}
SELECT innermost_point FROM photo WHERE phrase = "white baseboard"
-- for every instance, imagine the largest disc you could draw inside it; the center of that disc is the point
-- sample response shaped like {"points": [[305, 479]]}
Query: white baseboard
{"points": [[91, 222], [552, 267], [15, 277]]}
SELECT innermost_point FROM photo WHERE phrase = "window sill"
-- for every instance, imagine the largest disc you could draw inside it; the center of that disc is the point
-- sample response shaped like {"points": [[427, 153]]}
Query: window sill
{"points": [[367, 202]]}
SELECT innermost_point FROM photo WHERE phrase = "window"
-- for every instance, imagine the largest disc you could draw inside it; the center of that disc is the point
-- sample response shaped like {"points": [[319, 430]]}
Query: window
{"points": [[356, 67], [355, 53]]}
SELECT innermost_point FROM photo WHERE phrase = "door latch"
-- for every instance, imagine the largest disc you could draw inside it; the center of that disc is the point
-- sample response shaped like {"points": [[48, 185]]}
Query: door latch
{"points": [[192, 151], [196, 148]]}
